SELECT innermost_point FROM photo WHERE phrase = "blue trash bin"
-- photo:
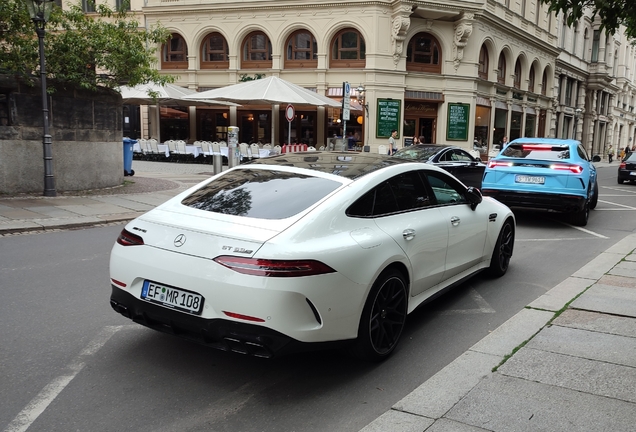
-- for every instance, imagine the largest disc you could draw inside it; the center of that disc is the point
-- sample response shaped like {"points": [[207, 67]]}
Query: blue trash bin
{"points": [[128, 156]]}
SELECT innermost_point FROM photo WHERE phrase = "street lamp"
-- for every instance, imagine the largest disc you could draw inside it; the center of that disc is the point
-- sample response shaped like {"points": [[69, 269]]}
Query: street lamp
{"points": [[365, 110], [40, 11]]}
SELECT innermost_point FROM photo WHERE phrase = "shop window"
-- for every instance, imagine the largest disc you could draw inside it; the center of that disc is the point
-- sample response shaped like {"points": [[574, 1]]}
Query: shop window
{"points": [[348, 50], [501, 69], [483, 63], [517, 76], [424, 54], [174, 123], [214, 52], [174, 53], [531, 79], [301, 51], [257, 51]]}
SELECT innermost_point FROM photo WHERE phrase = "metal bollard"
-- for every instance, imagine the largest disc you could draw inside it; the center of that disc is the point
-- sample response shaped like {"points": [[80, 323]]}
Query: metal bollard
{"points": [[217, 161], [233, 157]]}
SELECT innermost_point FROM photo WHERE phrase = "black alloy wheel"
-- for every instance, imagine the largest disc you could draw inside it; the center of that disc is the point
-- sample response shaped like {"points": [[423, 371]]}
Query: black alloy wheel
{"points": [[594, 199], [383, 317], [501, 254], [579, 218]]}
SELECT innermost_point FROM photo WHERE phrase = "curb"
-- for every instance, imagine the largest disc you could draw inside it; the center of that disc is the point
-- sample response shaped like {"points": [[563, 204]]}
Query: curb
{"points": [[428, 403]]}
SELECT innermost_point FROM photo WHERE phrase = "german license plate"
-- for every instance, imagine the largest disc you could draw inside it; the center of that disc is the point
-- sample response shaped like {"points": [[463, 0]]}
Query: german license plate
{"points": [[529, 179], [633, 173], [175, 298]]}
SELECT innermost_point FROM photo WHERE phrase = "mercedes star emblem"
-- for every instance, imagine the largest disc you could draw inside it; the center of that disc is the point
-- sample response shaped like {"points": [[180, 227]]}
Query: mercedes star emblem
{"points": [[180, 240]]}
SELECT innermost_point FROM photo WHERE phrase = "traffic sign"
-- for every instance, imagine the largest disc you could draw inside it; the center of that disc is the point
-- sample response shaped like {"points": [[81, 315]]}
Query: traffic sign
{"points": [[289, 112], [346, 101]]}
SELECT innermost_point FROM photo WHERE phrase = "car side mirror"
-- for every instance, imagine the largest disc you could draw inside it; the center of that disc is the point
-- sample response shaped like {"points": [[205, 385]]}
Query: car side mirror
{"points": [[596, 158], [473, 195]]}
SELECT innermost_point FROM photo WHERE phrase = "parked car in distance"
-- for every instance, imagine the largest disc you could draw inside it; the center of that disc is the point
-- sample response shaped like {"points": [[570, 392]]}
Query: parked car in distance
{"points": [[305, 251], [627, 168], [457, 161], [544, 173]]}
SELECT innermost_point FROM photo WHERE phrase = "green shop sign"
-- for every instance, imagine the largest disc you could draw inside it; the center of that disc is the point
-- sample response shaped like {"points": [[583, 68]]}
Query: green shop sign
{"points": [[457, 125], [388, 117]]}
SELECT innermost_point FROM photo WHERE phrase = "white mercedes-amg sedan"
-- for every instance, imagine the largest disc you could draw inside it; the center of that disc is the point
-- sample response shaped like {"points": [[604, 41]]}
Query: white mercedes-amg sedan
{"points": [[306, 250]]}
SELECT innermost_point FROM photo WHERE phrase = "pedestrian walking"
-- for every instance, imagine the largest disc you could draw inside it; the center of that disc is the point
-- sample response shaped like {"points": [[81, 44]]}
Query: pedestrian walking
{"points": [[393, 142], [610, 153]]}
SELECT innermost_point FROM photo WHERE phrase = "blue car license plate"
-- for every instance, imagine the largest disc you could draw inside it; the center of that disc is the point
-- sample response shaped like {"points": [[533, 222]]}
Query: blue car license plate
{"points": [[529, 179], [174, 298]]}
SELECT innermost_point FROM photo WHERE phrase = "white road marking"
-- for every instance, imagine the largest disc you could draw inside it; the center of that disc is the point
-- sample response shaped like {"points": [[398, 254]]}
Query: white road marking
{"points": [[618, 190], [484, 307], [617, 204], [586, 231], [43, 399]]}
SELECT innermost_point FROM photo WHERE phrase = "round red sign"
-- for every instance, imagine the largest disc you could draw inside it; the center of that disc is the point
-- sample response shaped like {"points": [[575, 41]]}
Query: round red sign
{"points": [[289, 112]]}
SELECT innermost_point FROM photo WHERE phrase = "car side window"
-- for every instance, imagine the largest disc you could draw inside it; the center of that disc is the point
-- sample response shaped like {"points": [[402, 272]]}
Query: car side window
{"points": [[446, 157], [460, 155], [403, 192], [446, 190], [582, 153]]}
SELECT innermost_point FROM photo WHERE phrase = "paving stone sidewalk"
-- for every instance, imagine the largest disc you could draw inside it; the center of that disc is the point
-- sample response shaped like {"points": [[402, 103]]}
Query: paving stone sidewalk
{"points": [[567, 362]]}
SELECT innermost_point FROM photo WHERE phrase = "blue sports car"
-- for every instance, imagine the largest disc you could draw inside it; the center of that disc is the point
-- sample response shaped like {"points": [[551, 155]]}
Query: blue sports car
{"points": [[544, 173]]}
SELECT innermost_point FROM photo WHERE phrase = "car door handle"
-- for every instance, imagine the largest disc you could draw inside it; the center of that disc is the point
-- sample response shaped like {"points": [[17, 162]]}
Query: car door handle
{"points": [[408, 234], [455, 220]]}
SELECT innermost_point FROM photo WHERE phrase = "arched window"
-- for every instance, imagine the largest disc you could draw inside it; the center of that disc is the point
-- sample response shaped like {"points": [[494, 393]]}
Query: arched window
{"points": [[483, 63], [301, 50], [214, 52], [501, 69], [424, 54], [348, 50], [174, 53], [531, 79], [257, 51], [544, 83], [517, 80]]}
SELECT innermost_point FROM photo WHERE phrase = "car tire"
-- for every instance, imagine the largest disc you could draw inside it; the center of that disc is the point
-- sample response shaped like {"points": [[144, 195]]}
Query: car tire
{"points": [[594, 199], [501, 254], [579, 218], [620, 181], [383, 317]]}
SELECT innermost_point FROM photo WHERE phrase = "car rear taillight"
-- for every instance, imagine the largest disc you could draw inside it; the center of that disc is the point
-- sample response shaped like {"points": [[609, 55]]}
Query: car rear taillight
{"points": [[274, 268], [622, 165], [495, 163], [576, 169], [126, 238]]}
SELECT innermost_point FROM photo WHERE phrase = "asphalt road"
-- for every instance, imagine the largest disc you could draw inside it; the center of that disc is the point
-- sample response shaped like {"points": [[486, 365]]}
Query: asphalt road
{"points": [[70, 363]]}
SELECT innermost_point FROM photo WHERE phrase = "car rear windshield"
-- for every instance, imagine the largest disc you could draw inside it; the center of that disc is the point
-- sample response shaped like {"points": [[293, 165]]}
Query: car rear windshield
{"points": [[261, 194], [537, 151]]}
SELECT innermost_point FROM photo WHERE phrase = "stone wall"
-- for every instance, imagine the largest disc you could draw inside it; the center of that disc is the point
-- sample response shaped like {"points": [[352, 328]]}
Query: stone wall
{"points": [[86, 131]]}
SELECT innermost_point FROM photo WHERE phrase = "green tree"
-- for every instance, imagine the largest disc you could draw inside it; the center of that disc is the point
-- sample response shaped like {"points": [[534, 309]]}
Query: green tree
{"points": [[106, 50], [613, 13]]}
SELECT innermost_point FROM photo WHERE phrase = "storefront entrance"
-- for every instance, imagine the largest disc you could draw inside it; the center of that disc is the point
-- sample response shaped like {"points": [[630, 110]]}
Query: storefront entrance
{"points": [[420, 119]]}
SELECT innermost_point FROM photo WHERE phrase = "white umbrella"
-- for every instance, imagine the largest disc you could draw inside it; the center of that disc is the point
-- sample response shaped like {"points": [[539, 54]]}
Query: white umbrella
{"points": [[169, 94], [266, 91]]}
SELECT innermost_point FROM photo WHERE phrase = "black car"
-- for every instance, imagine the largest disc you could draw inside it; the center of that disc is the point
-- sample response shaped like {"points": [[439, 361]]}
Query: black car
{"points": [[627, 168], [453, 159]]}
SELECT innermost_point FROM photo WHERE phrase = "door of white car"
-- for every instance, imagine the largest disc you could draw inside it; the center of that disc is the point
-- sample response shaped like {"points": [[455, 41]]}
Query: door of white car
{"points": [[467, 228], [404, 211]]}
